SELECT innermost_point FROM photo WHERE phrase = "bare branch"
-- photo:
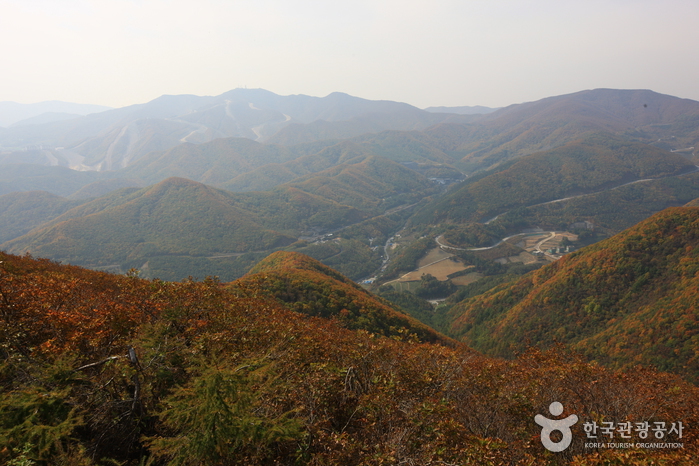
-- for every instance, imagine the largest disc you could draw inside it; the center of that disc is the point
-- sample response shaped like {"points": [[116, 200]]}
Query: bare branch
{"points": [[95, 364]]}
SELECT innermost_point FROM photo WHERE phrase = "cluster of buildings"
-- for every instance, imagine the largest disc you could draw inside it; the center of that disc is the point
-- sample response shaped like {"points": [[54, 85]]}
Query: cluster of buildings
{"points": [[561, 250]]}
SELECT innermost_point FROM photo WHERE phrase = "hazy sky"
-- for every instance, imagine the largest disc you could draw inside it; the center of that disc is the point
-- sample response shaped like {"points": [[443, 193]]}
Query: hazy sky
{"points": [[432, 52]]}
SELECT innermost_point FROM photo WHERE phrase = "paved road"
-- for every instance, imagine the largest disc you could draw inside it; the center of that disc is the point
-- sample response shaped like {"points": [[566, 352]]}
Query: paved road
{"points": [[552, 234], [596, 192], [538, 245], [438, 239]]}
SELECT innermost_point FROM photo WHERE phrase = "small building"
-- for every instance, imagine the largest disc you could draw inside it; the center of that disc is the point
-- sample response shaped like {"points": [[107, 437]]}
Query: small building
{"points": [[585, 225]]}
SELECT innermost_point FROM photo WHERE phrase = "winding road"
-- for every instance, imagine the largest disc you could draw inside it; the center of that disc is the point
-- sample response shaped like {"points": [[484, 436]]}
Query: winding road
{"points": [[696, 169], [552, 234], [444, 246]]}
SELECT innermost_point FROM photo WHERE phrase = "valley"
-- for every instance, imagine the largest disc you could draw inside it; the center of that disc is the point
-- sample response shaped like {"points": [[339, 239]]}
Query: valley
{"points": [[348, 281], [436, 263], [311, 350], [346, 172]]}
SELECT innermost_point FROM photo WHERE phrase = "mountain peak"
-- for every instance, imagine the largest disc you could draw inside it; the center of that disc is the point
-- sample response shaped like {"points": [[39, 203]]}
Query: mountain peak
{"points": [[286, 260], [179, 181], [305, 285], [341, 95], [172, 184]]}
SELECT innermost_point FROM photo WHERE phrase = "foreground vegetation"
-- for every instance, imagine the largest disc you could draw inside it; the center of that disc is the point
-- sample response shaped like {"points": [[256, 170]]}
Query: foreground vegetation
{"points": [[104, 369]]}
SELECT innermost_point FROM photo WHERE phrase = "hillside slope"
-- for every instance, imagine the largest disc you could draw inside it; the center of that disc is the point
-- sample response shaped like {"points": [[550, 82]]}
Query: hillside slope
{"points": [[367, 183], [305, 285], [20, 211], [176, 216], [630, 299], [215, 162], [594, 163], [275, 173], [521, 129], [101, 368]]}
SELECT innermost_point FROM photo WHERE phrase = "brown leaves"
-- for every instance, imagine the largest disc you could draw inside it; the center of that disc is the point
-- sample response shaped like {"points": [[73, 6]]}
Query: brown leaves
{"points": [[359, 398]]}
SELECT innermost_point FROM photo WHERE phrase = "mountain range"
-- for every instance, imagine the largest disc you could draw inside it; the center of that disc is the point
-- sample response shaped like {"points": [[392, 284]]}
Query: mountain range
{"points": [[117, 138], [15, 114], [262, 279], [113, 139], [617, 157]]}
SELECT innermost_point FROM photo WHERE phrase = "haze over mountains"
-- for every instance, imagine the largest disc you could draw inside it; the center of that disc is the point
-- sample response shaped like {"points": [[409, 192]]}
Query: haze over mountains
{"points": [[592, 141], [112, 139], [116, 138], [464, 110], [15, 114], [339, 236]]}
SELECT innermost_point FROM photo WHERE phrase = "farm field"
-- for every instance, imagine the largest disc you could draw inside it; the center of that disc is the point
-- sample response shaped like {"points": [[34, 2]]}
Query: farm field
{"points": [[438, 263], [467, 279]]}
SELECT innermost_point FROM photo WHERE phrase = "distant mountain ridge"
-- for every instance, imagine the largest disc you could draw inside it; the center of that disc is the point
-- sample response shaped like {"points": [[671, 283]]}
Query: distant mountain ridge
{"points": [[669, 122], [48, 117], [463, 110], [115, 138], [118, 138], [13, 112]]}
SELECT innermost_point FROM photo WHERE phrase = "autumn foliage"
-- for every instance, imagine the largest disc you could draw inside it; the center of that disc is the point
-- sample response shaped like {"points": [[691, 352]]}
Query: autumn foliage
{"points": [[631, 299], [307, 286], [105, 369]]}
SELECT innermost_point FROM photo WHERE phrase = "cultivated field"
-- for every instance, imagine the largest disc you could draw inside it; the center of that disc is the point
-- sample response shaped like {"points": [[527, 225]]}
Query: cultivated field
{"points": [[437, 263]]}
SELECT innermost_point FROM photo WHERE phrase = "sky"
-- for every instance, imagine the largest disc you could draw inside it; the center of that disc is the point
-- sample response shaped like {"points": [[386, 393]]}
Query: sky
{"points": [[426, 53]]}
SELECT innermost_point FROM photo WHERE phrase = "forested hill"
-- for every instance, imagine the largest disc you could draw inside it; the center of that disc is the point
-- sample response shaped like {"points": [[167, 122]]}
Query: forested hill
{"points": [[22, 211], [165, 228], [110, 369], [305, 285], [630, 299], [643, 115], [135, 224], [594, 163]]}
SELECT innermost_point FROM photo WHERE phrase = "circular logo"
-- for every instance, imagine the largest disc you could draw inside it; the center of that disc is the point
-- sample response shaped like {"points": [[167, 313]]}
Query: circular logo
{"points": [[551, 425]]}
